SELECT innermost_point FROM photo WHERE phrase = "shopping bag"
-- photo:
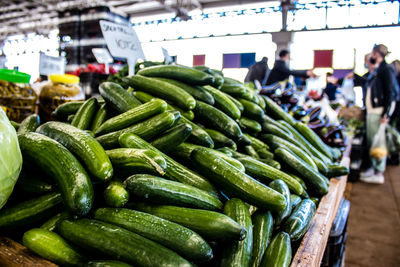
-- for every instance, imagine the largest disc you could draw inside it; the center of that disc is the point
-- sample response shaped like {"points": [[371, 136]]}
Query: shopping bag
{"points": [[348, 90], [378, 149]]}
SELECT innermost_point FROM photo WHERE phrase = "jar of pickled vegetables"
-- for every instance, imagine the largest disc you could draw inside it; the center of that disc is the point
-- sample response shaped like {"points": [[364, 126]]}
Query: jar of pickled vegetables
{"points": [[61, 88], [17, 97]]}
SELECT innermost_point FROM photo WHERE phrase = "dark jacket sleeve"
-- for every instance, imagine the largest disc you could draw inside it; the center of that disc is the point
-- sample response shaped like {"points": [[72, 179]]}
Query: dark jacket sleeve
{"points": [[284, 69], [359, 80], [387, 88]]}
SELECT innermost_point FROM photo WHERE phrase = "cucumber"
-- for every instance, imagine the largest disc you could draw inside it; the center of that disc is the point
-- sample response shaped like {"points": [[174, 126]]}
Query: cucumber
{"points": [[248, 95], [237, 103], [298, 179], [85, 147], [276, 141], [249, 150], [264, 153], [236, 182], [29, 211], [174, 170], [99, 118], [251, 110], [107, 263], [322, 168], [118, 243], [337, 170], [262, 230], [300, 220], [53, 247], [187, 114], [218, 80], [279, 252], [51, 224], [265, 172], [197, 92], [129, 161], [115, 194], [117, 97], [163, 90], [295, 200], [316, 180], [209, 224], [261, 102], [179, 73], [54, 159], [169, 234], [29, 124], [249, 125], [15, 124], [217, 119], [33, 185], [244, 141], [85, 114], [223, 102], [220, 140], [271, 162], [279, 124], [314, 139], [172, 137], [257, 143], [269, 128], [228, 80], [238, 253], [233, 89], [277, 112], [70, 118], [146, 129], [315, 200], [161, 191], [281, 187], [64, 110]]}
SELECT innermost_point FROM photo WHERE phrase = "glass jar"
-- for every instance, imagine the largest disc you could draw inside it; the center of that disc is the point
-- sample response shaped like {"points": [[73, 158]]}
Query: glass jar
{"points": [[60, 89], [16, 95]]}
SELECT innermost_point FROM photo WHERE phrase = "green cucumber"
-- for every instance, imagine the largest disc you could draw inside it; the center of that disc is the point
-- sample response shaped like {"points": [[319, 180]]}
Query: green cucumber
{"points": [[100, 117], [54, 159], [209, 224], [264, 153], [132, 116], [33, 185], [115, 194], [29, 211], [248, 95], [313, 138], [169, 234], [279, 252], [64, 110], [251, 110], [70, 118], [179, 73], [29, 124], [53, 247], [265, 172], [172, 137], [239, 252], [322, 168], [236, 102], [279, 124], [273, 163], [146, 129], [237, 182], [223, 102], [187, 114], [269, 128], [315, 200], [316, 180], [277, 112], [249, 125], [84, 146], [51, 224], [218, 80], [85, 114], [220, 140], [118, 243], [174, 170], [300, 220], [217, 119], [262, 231], [249, 150], [163, 90], [298, 179], [161, 191], [337, 170], [117, 97], [295, 200], [233, 89], [129, 161], [107, 263], [257, 143], [15, 124], [261, 101], [244, 141], [282, 188], [228, 80], [197, 92]]}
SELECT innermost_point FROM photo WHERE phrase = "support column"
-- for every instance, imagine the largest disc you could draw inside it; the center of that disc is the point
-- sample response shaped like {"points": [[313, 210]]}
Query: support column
{"points": [[282, 40]]}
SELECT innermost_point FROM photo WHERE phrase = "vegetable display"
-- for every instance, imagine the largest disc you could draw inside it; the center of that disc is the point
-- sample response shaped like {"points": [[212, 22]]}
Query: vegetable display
{"points": [[183, 168]]}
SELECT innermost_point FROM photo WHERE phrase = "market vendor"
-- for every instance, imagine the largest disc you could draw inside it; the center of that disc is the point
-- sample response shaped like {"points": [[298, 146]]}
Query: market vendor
{"points": [[281, 71]]}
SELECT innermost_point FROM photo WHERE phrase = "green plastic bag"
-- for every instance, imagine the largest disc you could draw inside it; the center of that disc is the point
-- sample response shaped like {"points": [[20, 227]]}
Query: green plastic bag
{"points": [[10, 158]]}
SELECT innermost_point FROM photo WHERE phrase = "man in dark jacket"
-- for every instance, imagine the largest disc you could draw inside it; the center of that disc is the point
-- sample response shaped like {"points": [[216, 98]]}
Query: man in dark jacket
{"points": [[258, 72], [281, 72]]}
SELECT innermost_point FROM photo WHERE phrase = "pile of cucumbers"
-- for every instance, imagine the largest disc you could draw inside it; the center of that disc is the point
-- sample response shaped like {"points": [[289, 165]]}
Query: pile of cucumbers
{"points": [[175, 166]]}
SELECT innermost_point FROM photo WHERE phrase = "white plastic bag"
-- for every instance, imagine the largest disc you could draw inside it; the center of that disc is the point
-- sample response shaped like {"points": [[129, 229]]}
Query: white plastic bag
{"points": [[328, 111], [378, 149], [348, 90]]}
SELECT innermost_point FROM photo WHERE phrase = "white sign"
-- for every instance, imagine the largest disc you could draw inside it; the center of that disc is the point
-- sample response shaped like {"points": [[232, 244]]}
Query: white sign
{"points": [[51, 65], [102, 55], [167, 57], [123, 42], [3, 61]]}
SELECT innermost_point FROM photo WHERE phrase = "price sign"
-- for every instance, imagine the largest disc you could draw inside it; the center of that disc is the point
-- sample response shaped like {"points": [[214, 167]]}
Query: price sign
{"points": [[167, 57], [122, 41], [103, 57], [51, 65]]}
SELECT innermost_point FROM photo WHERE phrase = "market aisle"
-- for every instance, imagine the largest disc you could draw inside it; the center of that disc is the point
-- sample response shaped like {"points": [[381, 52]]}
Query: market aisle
{"points": [[374, 223]]}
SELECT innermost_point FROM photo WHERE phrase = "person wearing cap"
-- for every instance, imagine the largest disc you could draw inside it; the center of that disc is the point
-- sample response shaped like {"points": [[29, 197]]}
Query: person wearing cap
{"points": [[379, 102]]}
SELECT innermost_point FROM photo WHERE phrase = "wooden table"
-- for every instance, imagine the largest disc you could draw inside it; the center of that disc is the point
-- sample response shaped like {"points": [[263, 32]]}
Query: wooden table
{"points": [[313, 245]]}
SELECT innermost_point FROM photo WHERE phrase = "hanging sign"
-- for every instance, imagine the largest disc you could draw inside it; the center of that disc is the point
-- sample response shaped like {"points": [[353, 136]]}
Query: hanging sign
{"points": [[51, 65]]}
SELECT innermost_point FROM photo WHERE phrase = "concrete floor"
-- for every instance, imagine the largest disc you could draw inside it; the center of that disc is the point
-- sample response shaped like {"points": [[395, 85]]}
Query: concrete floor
{"points": [[374, 223]]}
